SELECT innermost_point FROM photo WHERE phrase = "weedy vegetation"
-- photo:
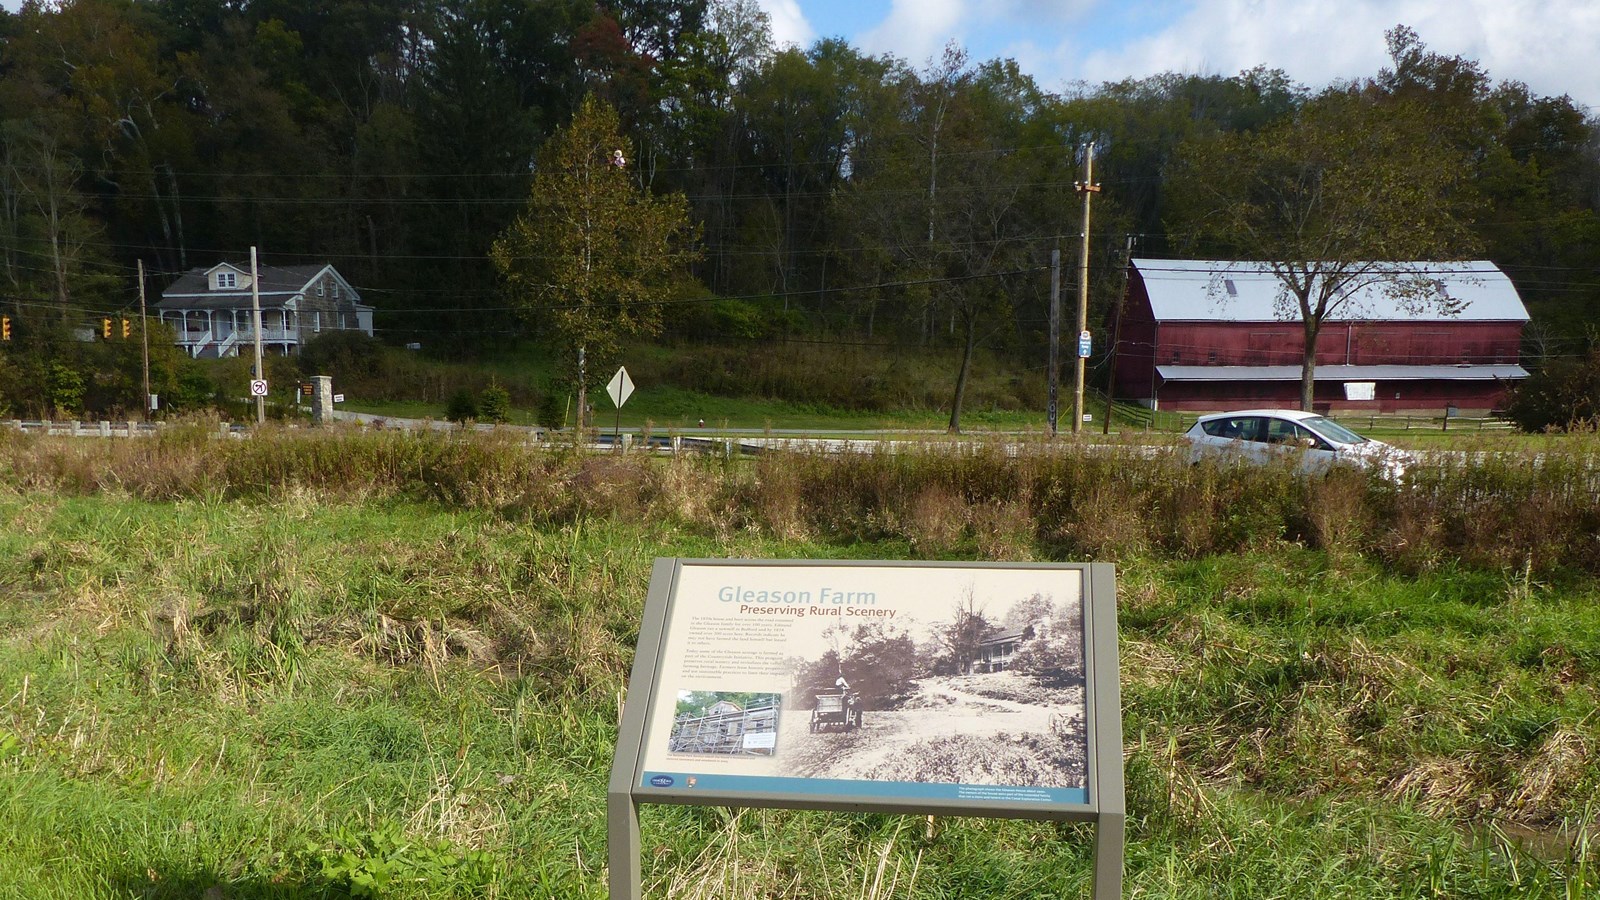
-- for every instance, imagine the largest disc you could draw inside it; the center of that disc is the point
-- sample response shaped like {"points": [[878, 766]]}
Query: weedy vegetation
{"points": [[343, 664]]}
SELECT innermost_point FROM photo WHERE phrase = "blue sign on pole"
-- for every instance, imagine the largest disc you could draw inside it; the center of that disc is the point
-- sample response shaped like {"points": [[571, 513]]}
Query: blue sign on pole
{"points": [[1083, 344]]}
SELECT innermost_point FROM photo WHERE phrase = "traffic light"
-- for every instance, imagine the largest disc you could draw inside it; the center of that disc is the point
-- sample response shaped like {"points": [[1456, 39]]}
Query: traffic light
{"points": [[127, 329], [5, 328], [105, 329]]}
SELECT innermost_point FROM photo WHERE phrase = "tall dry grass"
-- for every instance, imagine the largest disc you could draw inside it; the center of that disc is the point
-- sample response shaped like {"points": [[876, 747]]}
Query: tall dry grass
{"points": [[1006, 500]]}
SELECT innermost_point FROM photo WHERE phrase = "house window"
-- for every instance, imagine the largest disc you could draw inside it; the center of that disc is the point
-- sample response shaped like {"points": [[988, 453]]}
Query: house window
{"points": [[336, 290], [316, 320], [227, 280]]}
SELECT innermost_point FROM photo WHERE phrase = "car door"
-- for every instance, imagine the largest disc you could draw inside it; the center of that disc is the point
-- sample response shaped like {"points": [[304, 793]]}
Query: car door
{"points": [[1290, 439]]}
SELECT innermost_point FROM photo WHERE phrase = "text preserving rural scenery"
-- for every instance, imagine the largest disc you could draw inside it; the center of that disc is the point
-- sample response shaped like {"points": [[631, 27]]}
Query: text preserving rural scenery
{"points": [[756, 449]]}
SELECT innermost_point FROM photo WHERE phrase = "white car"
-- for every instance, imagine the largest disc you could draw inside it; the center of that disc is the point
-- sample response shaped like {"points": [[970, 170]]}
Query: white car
{"points": [[1315, 443]]}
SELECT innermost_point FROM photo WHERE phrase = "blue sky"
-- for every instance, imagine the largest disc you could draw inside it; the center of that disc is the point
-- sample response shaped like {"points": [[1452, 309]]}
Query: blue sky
{"points": [[1551, 45]]}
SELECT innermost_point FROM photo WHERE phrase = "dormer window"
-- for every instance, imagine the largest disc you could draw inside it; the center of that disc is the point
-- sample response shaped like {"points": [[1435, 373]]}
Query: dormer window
{"points": [[227, 280]]}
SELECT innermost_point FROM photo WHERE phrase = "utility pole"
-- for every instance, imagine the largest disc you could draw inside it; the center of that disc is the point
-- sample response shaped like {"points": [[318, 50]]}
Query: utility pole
{"points": [[1088, 189], [1055, 337], [255, 325], [144, 336], [1116, 337]]}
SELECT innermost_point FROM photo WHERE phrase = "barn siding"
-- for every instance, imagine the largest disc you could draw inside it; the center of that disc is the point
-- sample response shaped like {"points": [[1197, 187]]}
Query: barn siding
{"points": [[1147, 343]]}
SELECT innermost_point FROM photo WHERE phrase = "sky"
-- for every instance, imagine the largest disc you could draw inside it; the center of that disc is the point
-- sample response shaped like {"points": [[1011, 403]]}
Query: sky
{"points": [[1551, 45]]}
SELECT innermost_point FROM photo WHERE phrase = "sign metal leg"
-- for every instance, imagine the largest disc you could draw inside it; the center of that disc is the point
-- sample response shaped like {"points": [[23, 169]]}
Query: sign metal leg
{"points": [[622, 847], [1108, 837]]}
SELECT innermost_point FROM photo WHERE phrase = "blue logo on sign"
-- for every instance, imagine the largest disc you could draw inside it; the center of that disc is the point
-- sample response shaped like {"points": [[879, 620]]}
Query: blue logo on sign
{"points": [[661, 780]]}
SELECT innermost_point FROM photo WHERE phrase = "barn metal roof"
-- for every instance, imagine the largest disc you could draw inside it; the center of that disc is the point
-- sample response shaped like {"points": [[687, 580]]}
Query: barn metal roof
{"points": [[1200, 290], [1342, 373]]}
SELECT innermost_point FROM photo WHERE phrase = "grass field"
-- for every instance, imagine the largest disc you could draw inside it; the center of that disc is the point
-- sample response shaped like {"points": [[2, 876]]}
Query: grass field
{"points": [[328, 687]]}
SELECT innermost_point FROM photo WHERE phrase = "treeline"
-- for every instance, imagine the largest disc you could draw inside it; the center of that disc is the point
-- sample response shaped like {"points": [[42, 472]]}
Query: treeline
{"points": [[836, 193]]}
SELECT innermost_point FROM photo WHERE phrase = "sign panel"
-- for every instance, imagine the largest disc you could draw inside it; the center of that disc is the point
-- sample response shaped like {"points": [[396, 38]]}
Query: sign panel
{"points": [[258, 387], [338, 398], [1083, 344], [855, 683], [984, 689], [1360, 390], [620, 387]]}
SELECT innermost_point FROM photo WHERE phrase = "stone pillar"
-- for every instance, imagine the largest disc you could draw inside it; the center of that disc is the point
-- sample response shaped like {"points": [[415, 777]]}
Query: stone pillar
{"points": [[321, 399]]}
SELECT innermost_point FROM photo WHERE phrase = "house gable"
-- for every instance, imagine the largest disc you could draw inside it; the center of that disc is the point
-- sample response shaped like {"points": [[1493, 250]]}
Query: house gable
{"points": [[226, 277]]}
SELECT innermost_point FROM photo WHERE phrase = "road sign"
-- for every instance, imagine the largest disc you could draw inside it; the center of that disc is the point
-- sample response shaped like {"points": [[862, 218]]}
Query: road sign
{"points": [[1083, 344], [338, 398], [258, 387], [620, 387]]}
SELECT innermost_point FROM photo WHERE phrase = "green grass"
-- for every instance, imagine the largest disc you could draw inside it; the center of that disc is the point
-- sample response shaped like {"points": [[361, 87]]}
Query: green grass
{"points": [[301, 695]]}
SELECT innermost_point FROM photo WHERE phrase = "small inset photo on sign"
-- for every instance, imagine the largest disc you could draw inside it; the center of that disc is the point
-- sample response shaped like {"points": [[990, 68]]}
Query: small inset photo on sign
{"points": [[725, 723]]}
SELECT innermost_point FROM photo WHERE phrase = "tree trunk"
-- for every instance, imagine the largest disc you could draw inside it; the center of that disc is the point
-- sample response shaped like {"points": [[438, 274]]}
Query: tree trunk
{"points": [[1308, 368], [961, 377]]}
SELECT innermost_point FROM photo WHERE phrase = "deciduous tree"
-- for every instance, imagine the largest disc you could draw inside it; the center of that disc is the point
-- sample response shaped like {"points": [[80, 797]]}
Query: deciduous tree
{"points": [[1345, 196], [593, 254]]}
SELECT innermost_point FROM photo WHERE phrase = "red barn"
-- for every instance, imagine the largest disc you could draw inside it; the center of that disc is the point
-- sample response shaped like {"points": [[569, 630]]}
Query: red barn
{"points": [[1211, 334]]}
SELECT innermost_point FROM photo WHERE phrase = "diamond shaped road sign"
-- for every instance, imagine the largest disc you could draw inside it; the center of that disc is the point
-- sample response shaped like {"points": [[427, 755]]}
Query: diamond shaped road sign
{"points": [[620, 387]]}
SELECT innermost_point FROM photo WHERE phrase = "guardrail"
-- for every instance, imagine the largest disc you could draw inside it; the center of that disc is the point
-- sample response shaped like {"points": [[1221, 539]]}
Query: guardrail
{"points": [[74, 428]]}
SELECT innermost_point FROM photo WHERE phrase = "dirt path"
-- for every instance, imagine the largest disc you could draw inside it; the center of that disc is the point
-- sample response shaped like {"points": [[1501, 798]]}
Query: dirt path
{"points": [[936, 710]]}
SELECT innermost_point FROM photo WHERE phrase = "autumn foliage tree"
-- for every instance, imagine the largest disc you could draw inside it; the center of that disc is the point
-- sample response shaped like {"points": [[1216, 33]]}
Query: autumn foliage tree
{"points": [[593, 254], [1344, 196]]}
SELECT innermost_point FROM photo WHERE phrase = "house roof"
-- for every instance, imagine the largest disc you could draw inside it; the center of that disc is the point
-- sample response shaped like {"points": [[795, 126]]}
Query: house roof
{"points": [[1202, 290], [277, 285], [1001, 637], [1342, 373]]}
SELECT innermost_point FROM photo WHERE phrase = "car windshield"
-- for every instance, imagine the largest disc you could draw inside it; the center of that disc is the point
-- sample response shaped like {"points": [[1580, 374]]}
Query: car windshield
{"points": [[1330, 429]]}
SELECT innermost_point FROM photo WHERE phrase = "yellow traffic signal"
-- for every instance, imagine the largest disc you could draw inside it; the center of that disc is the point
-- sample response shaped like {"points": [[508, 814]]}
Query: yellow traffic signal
{"points": [[5, 328], [127, 329], [105, 329]]}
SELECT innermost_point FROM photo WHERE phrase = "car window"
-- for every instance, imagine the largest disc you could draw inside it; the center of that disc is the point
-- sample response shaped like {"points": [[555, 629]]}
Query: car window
{"points": [[1307, 437], [1234, 428], [1280, 431], [1335, 431]]}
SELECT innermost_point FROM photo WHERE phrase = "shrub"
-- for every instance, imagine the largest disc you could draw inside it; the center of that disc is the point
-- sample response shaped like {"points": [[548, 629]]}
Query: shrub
{"points": [[494, 404], [348, 356], [550, 413], [1561, 396], [462, 406]]}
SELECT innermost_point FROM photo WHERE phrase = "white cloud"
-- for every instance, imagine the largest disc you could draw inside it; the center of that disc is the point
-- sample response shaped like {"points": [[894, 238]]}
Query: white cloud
{"points": [[917, 30], [1547, 43], [789, 25]]}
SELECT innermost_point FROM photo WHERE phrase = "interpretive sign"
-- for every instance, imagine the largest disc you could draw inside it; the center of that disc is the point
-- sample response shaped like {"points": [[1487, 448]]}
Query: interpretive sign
{"points": [[949, 688]]}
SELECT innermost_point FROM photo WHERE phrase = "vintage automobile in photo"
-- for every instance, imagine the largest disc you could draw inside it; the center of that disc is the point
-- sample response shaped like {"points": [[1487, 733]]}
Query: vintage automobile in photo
{"points": [[839, 709]]}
